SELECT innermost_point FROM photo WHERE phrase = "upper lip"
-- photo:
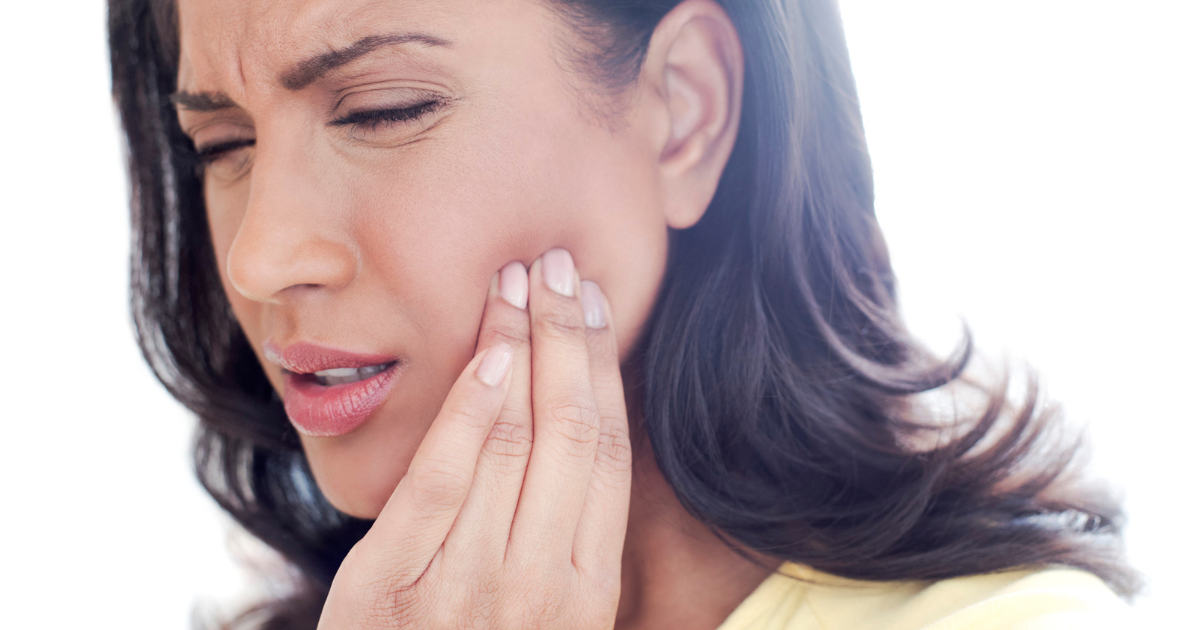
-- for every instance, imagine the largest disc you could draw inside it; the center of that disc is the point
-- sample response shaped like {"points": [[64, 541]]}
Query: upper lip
{"points": [[306, 358]]}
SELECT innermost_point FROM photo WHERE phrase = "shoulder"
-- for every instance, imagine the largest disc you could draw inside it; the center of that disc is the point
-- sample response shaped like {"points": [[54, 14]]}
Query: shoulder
{"points": [[798, 598], [1052, 598]]}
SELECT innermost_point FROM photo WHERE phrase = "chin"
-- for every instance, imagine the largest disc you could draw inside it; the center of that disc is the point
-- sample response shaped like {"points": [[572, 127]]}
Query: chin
{"points": [[365, 511], [356, 476], [355, 499]]}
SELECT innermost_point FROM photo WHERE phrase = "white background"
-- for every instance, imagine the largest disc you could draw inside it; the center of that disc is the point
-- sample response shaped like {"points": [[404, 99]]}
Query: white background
{"points": [[1036, 167]]}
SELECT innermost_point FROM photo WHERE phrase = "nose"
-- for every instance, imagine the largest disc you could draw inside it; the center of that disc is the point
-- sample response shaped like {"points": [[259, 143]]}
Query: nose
{"points": [[289, 236]]}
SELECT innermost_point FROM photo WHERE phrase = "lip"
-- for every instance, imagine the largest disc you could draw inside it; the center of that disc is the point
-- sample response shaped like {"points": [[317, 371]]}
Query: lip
{"points": [[320, 411]]}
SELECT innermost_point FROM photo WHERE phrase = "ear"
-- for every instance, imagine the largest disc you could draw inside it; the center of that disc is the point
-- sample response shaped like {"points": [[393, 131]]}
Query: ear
{"points": [[694, 71]]}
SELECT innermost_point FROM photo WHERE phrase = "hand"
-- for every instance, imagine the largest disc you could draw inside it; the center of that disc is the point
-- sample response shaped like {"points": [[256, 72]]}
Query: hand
{"points": [[513, 511]]}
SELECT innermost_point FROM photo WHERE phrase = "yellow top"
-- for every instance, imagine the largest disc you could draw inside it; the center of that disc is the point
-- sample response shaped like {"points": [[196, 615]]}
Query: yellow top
{"points": [[1058, 599]]}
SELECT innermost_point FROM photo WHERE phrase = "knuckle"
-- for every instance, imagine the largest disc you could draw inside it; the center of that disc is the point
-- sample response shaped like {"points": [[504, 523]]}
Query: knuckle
{"points": [[473, 412], [606, 585], [481, 604], [447, 617], [537, 597], [575, 419], [389, 601], [510, 439], [602, 347], [439, 486], [378, 569], [506, 613], [613, 451], [400, 609], [543, 607], [560, 323], [478, 616], [490, 587], [513, 333]]}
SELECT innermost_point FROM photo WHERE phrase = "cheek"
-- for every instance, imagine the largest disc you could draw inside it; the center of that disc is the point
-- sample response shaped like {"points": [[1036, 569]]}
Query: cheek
{"points": [[509, 189]]}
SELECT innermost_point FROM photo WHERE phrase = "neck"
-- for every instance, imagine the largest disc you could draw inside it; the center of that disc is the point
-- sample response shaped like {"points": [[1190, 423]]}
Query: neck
{"points": [[675, 573]]}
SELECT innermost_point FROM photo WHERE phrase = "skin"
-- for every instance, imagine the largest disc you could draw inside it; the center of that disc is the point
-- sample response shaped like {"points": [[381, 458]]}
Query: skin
{"points": [[387, 240]]}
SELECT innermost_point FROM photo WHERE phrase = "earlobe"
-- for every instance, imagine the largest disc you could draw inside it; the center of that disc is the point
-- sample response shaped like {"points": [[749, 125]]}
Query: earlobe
{"points": [[695, 61]]}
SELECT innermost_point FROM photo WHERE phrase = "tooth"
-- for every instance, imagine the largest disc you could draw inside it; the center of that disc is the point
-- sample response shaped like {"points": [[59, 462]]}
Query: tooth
{"points": [[337, 372]]}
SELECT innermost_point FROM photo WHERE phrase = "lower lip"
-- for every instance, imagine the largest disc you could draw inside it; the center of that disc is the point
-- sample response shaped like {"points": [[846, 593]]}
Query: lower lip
{"points": [[320, 411]]}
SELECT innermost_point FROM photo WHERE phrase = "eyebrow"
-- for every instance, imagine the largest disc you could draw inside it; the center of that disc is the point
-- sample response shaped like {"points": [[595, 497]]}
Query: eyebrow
{"points": [[202, 101], [313, 68], [306, 72]]}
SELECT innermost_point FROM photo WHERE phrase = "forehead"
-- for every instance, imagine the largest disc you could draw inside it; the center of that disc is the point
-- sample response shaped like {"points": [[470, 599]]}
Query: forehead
{"points": [[232, 45]]}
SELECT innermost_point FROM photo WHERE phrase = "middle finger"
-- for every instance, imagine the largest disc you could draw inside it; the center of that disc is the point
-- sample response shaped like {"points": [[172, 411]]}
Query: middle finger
{"points": [[565, 416]]}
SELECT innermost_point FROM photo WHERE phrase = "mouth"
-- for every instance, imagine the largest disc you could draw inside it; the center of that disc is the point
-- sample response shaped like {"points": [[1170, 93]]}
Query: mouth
{"points": [[331, 392], [343, 375]]}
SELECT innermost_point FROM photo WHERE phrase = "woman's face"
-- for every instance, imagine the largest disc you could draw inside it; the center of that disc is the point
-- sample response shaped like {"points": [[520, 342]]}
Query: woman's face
{"points": [[378, 233]]}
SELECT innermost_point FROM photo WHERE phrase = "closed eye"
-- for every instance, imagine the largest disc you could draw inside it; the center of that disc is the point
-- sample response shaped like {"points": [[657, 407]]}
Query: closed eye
{"points": [[373, 119], [213, 152]]}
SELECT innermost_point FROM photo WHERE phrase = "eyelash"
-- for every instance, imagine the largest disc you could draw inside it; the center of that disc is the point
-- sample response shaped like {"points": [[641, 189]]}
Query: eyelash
{"points": [[209, 154], [370, 120]]}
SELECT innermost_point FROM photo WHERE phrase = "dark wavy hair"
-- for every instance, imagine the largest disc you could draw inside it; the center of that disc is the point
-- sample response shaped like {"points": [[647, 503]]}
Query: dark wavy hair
{"points": [[778, 385]]}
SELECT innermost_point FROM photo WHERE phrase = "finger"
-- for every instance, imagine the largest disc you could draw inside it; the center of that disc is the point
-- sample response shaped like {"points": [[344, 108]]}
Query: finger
{"points": [[414, 522], [565, 418], [600, 538], [485, 521]]}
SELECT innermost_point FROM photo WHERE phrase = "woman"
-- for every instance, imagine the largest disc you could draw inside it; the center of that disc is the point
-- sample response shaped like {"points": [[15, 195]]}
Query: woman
{"points": [[569, 314]]}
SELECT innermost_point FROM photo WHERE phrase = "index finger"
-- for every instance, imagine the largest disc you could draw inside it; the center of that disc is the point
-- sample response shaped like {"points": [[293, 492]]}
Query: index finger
{"points": [[418, 516]]}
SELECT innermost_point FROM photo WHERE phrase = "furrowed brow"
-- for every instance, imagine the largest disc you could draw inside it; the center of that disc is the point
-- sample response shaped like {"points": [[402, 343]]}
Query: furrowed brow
{"points": [[306, 72]]}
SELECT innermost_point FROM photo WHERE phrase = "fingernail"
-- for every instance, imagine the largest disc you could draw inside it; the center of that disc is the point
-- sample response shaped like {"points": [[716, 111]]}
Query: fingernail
{"points": [[514, 284], [558, 272], [495, 364], [593, 304]]}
